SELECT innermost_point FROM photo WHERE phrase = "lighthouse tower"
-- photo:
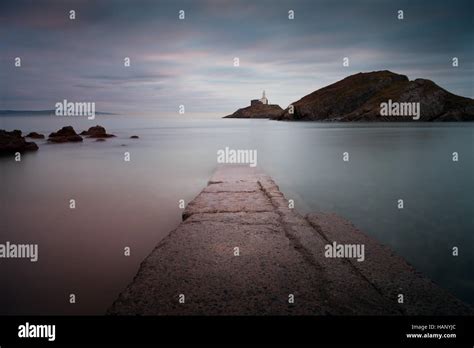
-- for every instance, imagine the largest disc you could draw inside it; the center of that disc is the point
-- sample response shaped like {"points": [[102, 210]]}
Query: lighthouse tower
{"points": [[264, 99]]}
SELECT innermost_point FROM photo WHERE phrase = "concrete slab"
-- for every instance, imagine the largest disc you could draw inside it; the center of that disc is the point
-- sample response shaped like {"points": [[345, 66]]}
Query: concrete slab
{"points": [[280, 256]]}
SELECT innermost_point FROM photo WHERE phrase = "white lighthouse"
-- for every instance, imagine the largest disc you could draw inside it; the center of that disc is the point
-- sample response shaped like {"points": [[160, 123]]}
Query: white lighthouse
{"points": [[264, 99]]}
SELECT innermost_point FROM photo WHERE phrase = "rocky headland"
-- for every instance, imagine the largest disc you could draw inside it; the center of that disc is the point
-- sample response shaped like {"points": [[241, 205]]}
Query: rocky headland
{"points": [[358, 98]]}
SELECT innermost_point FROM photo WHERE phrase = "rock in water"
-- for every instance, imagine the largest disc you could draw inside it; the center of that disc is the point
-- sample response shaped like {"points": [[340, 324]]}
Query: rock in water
{"points": [[97, 132], [134, 137], [35, 135], [64, 135], [359, 97], [11, 142]]}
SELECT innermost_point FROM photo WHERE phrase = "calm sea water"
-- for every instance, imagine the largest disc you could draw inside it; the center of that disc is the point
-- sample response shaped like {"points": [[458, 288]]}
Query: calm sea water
{"points": [[135, 203]]}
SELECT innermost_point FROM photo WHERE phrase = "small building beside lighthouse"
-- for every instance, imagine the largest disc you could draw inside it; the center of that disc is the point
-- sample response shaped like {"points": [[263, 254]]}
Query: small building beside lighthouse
{"points": [[262, 100], [259, 108]]}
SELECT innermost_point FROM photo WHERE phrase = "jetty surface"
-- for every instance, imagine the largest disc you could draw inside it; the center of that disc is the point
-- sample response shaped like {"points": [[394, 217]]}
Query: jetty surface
{"points": [[279, 267]]}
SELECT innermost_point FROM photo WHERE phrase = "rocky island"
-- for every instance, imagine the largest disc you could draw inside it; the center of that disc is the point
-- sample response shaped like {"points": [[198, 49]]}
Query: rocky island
{"points": [[358, 98], [259, 108], [361, 97]]}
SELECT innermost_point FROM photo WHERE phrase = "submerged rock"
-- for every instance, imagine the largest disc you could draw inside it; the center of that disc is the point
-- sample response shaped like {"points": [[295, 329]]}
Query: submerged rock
{"points": [[97, 132], [35, 135], [134, 137], [11, 142], [65, 135]]}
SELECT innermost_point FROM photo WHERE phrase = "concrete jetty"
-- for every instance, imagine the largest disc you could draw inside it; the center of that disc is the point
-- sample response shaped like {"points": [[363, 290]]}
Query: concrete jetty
{"points": [[279, 268]]}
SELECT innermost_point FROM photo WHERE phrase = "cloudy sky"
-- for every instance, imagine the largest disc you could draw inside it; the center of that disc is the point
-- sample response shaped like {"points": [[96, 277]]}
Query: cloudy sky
{"points": [[190, 61]]}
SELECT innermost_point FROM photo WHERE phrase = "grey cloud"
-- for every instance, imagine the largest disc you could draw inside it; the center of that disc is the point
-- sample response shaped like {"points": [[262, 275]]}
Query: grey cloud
{"points": [[191, 60]]}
